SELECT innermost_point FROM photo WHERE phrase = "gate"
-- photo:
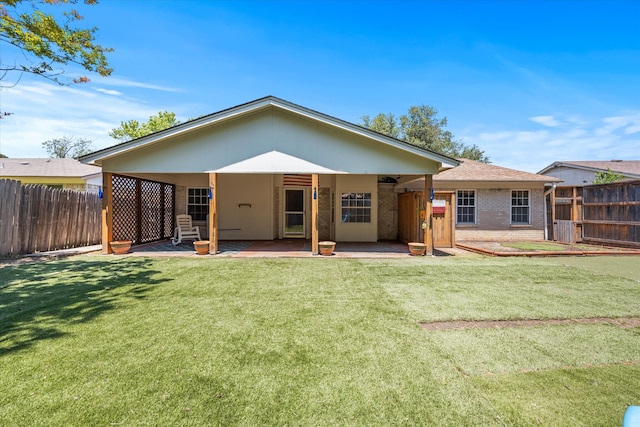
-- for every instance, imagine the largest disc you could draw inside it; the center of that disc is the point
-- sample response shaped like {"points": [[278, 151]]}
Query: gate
{"points": [[410, 218], [443, 220]]}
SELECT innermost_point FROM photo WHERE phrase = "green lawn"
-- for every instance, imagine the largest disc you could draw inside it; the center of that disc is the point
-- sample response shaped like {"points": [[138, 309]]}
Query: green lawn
{"points": [[102, 340]]}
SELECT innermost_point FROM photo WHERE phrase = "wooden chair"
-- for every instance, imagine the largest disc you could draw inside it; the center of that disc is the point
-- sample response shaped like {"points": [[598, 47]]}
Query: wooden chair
{"points": [[184, 230]]}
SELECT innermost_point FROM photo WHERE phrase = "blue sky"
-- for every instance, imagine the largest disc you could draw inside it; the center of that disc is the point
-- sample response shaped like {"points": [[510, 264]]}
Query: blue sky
{"points": [[529, 82]]}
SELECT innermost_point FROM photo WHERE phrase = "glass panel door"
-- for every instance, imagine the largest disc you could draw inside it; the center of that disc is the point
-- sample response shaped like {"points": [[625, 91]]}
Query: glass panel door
{"points": [[294, 213]]}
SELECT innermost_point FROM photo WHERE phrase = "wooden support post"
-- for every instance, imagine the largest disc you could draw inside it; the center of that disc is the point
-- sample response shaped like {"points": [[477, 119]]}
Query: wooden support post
{"points": [[452, 203], [213, 213], [574, 204], [315, 188], [553, 214], [428, 214], [107, 212]]}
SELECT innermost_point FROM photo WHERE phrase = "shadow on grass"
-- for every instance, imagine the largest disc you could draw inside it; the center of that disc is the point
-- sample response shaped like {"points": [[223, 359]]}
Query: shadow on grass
{"points": [[36, 299]]}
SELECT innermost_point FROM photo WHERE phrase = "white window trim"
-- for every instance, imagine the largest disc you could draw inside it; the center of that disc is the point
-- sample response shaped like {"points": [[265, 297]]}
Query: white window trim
{"points": [[511, 206], [371, 199], [475, 207], [186, 201]]}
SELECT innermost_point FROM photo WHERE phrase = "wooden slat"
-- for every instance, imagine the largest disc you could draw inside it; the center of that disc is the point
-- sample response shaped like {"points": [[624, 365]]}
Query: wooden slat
{"points": [[107, 212], [611, 242], [27, 228], [607, 222], [624, 203], [8, 195], [15, 241]]}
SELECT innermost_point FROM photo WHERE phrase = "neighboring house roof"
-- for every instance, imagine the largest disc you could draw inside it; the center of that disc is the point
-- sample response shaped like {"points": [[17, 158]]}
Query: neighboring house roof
{"points": [[628, 168], [471, 170], [243, 110], [39, 167]]}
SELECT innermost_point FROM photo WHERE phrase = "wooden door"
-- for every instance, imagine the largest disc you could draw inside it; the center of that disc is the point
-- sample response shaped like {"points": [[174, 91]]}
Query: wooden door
{"points": [[408, 226], [443, 220]]}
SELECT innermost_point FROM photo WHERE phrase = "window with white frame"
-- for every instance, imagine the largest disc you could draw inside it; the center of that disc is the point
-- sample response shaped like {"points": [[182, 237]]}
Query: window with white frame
{"points": [[520, 207], [356, 207], [198, 203], [466, 207]]}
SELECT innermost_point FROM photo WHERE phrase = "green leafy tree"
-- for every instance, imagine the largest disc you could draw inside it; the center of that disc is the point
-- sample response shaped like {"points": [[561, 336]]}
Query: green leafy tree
{"points": [[383, 123], [67, 147], [134, 129], [2, 156], [48, 40], [421, 127], [607, 177]]}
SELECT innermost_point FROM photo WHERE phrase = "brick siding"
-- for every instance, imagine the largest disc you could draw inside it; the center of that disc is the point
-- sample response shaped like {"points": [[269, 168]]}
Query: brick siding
{"points": [[387, 212], [493, 220]]}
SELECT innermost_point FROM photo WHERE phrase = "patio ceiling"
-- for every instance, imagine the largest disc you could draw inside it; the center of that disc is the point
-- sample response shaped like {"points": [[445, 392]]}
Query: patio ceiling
{"points": [[275, 162]]}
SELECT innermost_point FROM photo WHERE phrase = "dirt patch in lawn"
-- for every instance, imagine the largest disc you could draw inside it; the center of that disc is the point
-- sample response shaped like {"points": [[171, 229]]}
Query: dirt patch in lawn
{"points": [[541, 248], [623, 322]]}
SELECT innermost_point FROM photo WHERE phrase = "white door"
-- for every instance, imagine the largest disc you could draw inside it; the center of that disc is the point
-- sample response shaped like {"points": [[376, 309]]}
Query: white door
{"points": [[294, 213]]}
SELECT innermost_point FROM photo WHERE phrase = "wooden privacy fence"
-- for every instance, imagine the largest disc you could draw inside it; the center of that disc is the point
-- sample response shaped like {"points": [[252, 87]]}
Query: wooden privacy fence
{"points": [[612, 214], [36, 218]]}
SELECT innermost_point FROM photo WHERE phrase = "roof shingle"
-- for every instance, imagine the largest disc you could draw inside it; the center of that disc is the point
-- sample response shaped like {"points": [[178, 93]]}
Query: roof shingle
{"points": [[45, 167]]}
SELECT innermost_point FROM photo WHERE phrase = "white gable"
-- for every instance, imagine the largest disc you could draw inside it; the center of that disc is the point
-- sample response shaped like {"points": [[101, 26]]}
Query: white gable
{"points": [[299, 140]]}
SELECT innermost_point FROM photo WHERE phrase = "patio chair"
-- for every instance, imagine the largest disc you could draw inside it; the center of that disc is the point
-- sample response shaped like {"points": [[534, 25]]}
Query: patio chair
{"points": [[184, 230]]}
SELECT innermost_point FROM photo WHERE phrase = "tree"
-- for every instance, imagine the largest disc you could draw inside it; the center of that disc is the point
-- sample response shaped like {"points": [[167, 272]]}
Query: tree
{"points": [[2, 156], [67, 147], [133, 129], [49, 40], [421, 127], [607, 177]]}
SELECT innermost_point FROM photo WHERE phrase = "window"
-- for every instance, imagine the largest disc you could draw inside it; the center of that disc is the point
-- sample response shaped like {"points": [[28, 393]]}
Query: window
{"points": [[356, 207], [520, 207], [198, 203], [466, 207]]}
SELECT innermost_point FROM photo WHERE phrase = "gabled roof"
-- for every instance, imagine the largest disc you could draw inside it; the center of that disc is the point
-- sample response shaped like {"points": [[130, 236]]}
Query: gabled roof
{"points": [[628, 168], [252, 107], [53, 167], [471, 170]]}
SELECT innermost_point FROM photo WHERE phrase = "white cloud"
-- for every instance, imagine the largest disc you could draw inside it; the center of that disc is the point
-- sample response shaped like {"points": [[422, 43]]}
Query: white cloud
{"points": [[574, 139], [42, 111], [109, 91], [120, 82], [549, 121]]}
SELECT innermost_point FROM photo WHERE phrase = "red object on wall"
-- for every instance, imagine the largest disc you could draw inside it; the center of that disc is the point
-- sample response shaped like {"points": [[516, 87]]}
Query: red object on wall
{"points": [[439, 210]]}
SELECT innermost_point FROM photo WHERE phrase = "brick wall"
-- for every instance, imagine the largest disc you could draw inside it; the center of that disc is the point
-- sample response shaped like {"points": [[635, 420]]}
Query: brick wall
{"points": [[324, 213], [494, 217], [181, 200], [387, 212]]}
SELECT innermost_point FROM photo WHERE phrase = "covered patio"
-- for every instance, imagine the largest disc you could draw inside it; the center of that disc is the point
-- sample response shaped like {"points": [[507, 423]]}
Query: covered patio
{"points": [[289, 248], [265, 171]]}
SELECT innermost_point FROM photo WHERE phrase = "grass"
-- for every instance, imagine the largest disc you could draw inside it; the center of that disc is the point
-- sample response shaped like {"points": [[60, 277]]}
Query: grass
{"points": [[96, 340], [552, 246]]}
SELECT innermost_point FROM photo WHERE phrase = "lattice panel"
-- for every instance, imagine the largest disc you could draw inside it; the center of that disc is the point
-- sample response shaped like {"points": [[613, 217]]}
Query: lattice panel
{"points": [[143, 210], [150, 211], [169, 204], [124, 208]]}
